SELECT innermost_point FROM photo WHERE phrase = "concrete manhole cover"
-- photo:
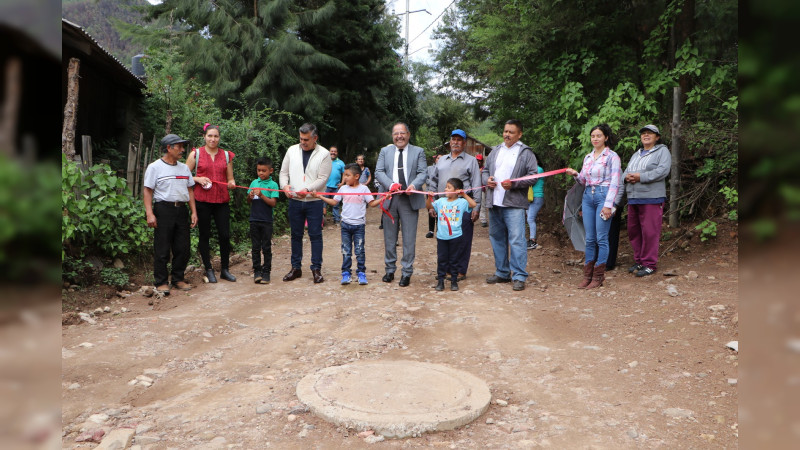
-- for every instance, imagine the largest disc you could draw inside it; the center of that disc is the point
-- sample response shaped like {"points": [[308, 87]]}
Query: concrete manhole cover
{"points": [[395, 398]]}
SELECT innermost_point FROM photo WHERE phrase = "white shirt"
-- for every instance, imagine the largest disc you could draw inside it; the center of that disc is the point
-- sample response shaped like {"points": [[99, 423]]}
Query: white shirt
{"points": [[395, 178], [504, 167]]}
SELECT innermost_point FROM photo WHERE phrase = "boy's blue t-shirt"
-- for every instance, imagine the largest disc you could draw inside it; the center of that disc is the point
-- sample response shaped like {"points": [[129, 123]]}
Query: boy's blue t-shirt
{"points": [[455, 212], [260, 211]]}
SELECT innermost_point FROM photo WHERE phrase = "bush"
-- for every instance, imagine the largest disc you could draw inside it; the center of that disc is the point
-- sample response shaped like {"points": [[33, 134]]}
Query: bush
{"points": [[99, 215], [114, 277]]}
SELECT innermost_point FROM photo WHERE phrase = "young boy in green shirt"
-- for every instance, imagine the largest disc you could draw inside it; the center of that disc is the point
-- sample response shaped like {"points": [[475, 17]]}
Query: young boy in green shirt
{"points": [[261, 203]]}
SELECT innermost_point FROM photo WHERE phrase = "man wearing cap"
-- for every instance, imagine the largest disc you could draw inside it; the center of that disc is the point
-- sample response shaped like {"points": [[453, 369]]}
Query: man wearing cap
{"points": [[459, 164], [401, 167], [508, 202], [646, 189], [168, 182]]}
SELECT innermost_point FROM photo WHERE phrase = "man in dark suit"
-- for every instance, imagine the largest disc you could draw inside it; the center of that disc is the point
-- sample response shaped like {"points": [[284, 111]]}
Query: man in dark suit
{"points": [[401, 167]]}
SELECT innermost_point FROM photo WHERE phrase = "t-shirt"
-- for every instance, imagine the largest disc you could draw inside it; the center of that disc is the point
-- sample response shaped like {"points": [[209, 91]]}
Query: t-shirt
{"points": [[537, 190], [259, 210], [364, 175], [337, 169], [454, 212], [170, 183], [504, 167], [354, 207]]}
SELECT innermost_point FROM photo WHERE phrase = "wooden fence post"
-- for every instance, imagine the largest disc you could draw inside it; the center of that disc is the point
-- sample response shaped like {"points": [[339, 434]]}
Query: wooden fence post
{"points": [[9, 114], [70, 109], [675, 171], [131, 164], [86, 150], [136, 188]]}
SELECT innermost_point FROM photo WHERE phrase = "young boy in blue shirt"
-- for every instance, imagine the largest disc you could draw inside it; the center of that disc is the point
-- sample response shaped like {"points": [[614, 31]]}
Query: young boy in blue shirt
{"points": [[451, 211], [354, 220], [261, 204]]}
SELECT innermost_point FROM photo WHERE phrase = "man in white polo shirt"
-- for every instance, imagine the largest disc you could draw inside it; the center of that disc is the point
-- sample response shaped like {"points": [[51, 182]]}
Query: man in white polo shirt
{"points": [[168, 182]]}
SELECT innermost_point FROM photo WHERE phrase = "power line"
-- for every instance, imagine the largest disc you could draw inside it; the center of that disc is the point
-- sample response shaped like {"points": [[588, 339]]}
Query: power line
{"points": [[434, 21]]}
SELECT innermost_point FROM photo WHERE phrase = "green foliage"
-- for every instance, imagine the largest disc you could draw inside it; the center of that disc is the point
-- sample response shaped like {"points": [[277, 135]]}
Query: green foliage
{"points": [[99, 214], [114, 277], [708, 229], [28, 216], [76, 270]]}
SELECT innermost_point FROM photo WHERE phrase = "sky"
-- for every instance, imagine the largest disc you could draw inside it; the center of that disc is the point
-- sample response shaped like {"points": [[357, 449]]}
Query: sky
{"points": [[420, 37]]}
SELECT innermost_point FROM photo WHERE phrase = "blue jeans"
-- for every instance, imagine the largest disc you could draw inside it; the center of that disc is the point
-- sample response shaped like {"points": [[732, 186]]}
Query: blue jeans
{"points": [[507, 236], [596, 228], [533, 211], [337, 210], [299, 213], [353, 235]]}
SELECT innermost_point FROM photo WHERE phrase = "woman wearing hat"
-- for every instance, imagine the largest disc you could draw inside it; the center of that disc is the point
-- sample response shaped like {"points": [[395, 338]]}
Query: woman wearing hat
{"points": [[215, 176], [646, 189], [600, 175]]}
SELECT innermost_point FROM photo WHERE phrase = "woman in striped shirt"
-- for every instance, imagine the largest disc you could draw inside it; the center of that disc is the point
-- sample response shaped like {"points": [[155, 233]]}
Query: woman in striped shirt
{"points": [[600, 175]]}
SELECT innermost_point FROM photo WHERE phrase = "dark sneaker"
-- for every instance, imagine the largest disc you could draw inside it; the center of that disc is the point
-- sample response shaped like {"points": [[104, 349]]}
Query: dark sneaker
{"points": [[346, 279], [484, 224], [440, 285], [264, 277], [495, 279], [519, 285], [429, 234], [257, 277], [454, 285], [532, 245], [645, 272], [635, 268]]}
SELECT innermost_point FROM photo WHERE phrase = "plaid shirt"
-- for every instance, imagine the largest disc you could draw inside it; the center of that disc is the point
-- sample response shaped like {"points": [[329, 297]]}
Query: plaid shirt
{"points": [[606, 170]]}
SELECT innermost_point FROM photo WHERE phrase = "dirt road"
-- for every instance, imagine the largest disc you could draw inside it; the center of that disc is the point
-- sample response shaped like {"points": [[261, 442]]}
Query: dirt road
{"points": [[624, 366]]}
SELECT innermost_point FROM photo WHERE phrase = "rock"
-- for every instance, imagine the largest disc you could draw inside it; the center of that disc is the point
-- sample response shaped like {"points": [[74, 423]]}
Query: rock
{"points": [[148, 291], [117, 439], [633, 364], [671, 273], [86, 345], [716, 308], [263, 409], [672, 290], [495, 356], [189, 269], [97, 311], [291, 417], [74, 386], [366, 433], [678, 413], [501, 402], [87, 318], [143, 428], [556, 271], [302, 409], [633, 434], [692, 275], [107, 309], [373, 439], [207, 334], [733, 381], [145, 379], [303, 433], [489, 421], [146, 440], [123, 309], [733, 345], [98, 418], [118, 264], [91, 436]]}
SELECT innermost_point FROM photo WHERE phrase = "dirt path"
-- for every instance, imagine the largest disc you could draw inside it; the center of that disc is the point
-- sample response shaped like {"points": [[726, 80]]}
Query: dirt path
{"points": [[624, 366]]}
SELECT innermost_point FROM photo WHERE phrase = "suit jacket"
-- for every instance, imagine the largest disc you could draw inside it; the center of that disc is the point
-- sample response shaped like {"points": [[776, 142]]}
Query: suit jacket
{"points": [[415, 171]]}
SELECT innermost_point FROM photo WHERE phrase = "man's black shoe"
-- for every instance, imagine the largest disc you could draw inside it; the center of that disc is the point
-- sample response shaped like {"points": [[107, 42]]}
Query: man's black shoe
{"points": [[405, 281], [226, 275], [519, 285], [210, 275], [495, 279], [388, 278], [440, 286]]}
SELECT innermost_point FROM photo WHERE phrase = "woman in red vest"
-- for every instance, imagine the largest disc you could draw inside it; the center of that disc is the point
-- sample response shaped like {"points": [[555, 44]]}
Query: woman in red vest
{"points": [[213, 178]]}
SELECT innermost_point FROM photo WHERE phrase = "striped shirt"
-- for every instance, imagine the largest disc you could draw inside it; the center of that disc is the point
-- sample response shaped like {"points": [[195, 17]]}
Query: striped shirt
{"points": [[606, 170]]}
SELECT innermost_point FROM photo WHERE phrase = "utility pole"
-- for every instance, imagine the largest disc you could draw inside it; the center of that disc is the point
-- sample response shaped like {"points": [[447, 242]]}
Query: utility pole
{"points": [[408, 14]]}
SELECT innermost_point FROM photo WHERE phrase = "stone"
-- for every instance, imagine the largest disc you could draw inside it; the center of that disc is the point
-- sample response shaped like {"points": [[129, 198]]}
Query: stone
{"points": [[366, 433], [87, 318], [118, 264], [123, 309], [716, 308], [670, 273], [678, 413], [733, 381], [633, 434], [146, 440], [91, 436], [118, 439], [633, 364], [291, 417], [489, 421], [145, 379], [495, 356], [106, 309], [86, 345], [501, 402], [263, 409], [733, 345], [672, 290], [148, 291], [692, 275], [98, 418], [373, 439]]}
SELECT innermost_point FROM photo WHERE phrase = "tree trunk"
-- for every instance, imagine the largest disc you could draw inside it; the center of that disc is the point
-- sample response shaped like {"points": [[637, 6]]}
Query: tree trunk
{"points": [[168, 125], [10, 110], [675, 171], [70, 109]]}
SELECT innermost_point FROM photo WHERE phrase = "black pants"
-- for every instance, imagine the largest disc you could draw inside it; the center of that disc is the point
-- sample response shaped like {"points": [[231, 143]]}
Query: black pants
{"points": [[448, 254], [467, 231], [431, 223], [221, 212], [261, 237], [171, 236]]}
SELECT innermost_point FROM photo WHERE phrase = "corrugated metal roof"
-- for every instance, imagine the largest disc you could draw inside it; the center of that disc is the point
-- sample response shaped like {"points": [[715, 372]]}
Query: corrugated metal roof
{"points": [[80, 33]]}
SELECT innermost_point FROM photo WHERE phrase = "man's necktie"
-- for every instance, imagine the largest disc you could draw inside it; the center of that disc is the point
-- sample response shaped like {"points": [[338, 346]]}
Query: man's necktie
{"points": [[401, 176]]}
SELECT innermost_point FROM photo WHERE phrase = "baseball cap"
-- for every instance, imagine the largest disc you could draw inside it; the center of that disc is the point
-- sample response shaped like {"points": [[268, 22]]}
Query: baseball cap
{"points": [[479, 157], [652, 128], [172, 139], [459, 132]]}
